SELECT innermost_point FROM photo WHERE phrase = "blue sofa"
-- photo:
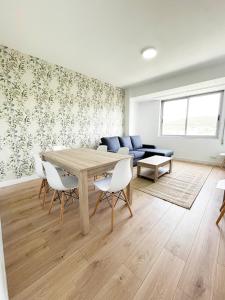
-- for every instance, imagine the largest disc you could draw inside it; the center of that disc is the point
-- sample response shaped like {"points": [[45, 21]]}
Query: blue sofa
{"points": [[136, 148]]}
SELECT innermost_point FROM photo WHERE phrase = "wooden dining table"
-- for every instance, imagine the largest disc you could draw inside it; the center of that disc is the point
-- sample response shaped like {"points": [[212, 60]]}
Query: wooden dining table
{"points": [[85, 163]]}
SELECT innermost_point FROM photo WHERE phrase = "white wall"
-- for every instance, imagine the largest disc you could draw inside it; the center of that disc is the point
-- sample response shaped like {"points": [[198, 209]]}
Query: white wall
{"points": [[146, 121], [143, 117], [197, 74]]}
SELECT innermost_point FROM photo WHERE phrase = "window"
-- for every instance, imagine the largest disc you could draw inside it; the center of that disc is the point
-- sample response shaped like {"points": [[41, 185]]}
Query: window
{"points": [[191, 116]]}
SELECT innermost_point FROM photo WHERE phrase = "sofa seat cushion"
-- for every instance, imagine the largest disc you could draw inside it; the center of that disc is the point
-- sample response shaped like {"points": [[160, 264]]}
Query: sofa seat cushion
{"points": [[136, 141], [161, 152], [112, 143], [137, 154], [125, 141]]}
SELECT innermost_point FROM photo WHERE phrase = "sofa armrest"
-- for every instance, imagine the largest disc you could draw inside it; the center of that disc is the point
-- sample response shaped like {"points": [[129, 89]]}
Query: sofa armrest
{"points": [[148, 146]]}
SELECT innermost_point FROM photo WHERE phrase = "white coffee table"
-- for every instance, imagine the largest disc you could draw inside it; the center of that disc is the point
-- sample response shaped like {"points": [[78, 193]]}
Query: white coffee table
{"points": [[155, 164]]}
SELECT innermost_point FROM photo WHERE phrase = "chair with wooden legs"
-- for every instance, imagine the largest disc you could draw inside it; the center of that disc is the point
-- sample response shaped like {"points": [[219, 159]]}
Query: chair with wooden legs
{"points": [[59, 147], [221, 185], [112, 187], [41, 174], [64, 186], [122, 150], [102, 148]]}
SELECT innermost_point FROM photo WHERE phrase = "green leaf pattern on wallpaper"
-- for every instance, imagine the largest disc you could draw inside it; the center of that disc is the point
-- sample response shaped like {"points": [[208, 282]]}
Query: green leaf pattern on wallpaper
{"points": [[42, 104]]}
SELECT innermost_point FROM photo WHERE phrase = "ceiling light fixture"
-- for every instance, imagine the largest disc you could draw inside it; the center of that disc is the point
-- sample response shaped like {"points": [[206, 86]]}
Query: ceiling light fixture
{"points": [[149, 53]]}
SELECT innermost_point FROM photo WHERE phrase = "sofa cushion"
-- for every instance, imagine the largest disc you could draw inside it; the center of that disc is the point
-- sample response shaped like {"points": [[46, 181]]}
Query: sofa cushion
{"points": [[136, 141], [137, 154], [125, 141], [156, 151], [112, 143]]}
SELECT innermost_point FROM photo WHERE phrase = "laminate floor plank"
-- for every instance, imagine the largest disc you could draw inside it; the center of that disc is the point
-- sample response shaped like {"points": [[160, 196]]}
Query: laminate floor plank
{"points": [[162, 280], [181, 241], [219, 288], [148, 250], [163, 252], [198, 277]]}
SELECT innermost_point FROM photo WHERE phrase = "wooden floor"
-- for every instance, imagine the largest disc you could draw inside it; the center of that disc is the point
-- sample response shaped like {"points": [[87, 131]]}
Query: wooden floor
{"points": [[163, 252]]}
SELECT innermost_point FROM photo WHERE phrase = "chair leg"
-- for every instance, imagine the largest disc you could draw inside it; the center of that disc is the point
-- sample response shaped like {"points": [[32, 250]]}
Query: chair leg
{"points": [[62, 207], [223, 204], [112, 216], [41, 187], [45, 191], [97, 203], [127, 202], [76, 192], [52, 202], [220, 216]]}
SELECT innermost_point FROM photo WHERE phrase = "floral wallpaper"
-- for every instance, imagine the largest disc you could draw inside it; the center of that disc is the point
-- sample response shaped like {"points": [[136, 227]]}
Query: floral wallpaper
{"points": [[42, 104]]}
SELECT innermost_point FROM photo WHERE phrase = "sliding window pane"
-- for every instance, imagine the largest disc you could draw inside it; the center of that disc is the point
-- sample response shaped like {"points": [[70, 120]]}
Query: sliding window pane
{"points": [[203, 114], [174, 116]]}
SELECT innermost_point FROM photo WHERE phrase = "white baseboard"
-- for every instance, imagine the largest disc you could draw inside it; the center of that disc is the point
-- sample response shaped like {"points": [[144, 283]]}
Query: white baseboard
{"points": [[17, 181], [209, 163]]}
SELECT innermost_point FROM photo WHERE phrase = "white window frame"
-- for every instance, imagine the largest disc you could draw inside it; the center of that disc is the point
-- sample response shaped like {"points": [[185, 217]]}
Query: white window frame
{"points": [[186, 119]]}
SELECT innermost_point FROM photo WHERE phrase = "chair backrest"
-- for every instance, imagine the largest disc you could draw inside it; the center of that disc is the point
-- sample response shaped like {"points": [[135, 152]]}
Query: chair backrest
{"points": [[123, 150], [53, 177], [38, 166], [121, 175], [59, 147], [102, 148]]}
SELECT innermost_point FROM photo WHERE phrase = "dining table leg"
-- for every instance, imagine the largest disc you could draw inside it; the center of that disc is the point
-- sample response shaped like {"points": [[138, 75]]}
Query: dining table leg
{"points": [[129, 189], [129, 193], [83, 200]]}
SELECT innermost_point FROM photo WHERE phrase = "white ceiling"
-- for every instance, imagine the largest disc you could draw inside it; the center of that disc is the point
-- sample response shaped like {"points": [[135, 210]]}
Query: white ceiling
{"points": [[103, 38]]}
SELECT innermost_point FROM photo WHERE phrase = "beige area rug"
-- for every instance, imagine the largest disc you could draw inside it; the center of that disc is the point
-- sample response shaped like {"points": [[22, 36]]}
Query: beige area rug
{"points": [[181, 187]]}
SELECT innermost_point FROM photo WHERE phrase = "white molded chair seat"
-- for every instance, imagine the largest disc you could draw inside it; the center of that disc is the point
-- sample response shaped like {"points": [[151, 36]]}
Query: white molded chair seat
{"points": [[60, 184], [38, 166], [102, 148], [57, 182], [122, 150], [221, 184], [69, 182], [103, 184], [114, 185], [59, 147]]}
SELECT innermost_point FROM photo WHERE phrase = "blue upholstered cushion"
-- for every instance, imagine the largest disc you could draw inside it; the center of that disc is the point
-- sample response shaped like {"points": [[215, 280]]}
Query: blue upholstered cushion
{"points": [[112, 143], [137, 154], [156, 151], [136, 141], [126, 142]]}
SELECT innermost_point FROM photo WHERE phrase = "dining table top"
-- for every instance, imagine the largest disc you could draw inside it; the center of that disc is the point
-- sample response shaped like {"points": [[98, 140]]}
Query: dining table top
{"points": [[82, 159]]}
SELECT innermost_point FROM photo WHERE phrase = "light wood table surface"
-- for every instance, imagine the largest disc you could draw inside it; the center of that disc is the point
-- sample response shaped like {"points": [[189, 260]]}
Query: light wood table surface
{"points": [[155, 163], [84, 163]]}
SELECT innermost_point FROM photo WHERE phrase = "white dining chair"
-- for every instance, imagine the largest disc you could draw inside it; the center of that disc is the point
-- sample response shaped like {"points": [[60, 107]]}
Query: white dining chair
{"points": [[102, 148], [64, 186], [59, 147], [112, 187], [122, 150], [221, 186], [38, 166]]}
